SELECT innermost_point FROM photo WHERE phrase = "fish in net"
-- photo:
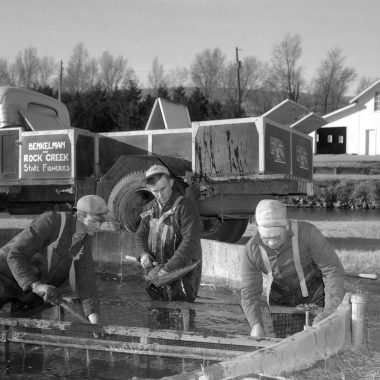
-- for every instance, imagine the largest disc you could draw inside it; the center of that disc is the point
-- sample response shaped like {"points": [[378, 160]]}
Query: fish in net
{"points": [[170, 277]]}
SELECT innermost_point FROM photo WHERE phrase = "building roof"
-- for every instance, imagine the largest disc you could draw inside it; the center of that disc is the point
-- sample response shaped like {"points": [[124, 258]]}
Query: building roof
{"points": [[339, 110], [168, 115], [354, 100], [309, 123], [286, 113]]}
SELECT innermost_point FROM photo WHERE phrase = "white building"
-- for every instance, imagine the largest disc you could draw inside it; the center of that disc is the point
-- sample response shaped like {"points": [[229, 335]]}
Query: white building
{"points": [[354, 129]]}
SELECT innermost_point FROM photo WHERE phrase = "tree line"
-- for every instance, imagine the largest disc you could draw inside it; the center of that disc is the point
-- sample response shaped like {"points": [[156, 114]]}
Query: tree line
{"points": [[105, 94]]}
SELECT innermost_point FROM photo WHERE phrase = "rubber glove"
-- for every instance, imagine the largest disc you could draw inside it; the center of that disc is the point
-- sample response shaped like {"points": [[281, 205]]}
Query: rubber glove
{"points": [[146, 261], [258, 331], [162, 273], [94, 318]]}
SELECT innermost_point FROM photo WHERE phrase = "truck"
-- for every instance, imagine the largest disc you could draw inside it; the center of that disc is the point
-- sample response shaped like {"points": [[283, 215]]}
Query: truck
{"points": [[225, 166]]}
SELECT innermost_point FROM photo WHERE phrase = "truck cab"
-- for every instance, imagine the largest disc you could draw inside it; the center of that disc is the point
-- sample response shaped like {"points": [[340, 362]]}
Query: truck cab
{"points": [[45, 162]]}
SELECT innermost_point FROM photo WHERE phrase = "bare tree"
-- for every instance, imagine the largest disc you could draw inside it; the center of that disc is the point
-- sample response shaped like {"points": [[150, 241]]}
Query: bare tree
{"points": [[332, 81], [31, 65], [207, 70], [251, 73], [178, 77], [78, 70], [17, 71], [156, 77], [114, 72], [285, 76], [92, 72], [24, 71], [47, 70], [264, 98], [365, 82], [5, 79]]}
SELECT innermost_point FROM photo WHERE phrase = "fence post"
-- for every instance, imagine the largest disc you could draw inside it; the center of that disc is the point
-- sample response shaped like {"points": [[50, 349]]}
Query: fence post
{"points": [[58, 314], [358, 302]]}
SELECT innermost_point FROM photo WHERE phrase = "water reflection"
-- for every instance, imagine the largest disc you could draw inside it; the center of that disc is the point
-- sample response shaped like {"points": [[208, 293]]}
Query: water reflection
{"points": [[120, 306], [328, 214]]}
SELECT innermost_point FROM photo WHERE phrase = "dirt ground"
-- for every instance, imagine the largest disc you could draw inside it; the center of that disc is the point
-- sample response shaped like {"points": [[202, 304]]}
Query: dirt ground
{"points": [[354, 363]]}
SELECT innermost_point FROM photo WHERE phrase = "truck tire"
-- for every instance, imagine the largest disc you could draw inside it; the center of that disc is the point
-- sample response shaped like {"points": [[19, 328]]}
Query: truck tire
{"points": [[129, 196], [127, 200], [227, 231]]}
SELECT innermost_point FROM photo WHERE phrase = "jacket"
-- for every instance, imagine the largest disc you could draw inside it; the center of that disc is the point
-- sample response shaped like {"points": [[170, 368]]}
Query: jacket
{"points": [[25, 259], [321, 266], [178, 251], [175, 243]]}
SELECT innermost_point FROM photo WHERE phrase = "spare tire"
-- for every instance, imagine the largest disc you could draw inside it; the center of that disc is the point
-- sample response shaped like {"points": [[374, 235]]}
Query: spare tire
{"points": [[130, 195], [227, 230], [128, 198]]}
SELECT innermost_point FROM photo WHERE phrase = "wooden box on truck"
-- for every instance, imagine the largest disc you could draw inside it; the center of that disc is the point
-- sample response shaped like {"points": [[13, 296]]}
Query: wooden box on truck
{"points": [[165, 142], [249, 148]]}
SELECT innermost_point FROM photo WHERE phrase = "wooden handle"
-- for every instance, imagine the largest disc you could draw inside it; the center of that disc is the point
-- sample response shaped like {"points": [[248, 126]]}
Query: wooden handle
{"points": [[133, 258], [66, 307], [130, 258], [371, 276]]}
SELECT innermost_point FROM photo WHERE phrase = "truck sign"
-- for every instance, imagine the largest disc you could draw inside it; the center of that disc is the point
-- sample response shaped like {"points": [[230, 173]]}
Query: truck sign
{"points": [[46, 156]]}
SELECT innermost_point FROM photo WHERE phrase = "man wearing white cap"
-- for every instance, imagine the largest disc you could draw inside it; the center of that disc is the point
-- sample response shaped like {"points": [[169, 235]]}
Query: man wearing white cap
{"points": [[56, 247], [302, 266], [169, 236]]}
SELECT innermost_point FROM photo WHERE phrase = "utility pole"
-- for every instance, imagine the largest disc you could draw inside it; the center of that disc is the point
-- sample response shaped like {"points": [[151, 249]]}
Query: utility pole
{"points": [[60, 81], [238, 64]]}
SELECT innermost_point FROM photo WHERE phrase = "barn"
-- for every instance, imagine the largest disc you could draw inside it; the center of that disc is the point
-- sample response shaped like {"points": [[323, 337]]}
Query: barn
{"points": [[353, 129]]}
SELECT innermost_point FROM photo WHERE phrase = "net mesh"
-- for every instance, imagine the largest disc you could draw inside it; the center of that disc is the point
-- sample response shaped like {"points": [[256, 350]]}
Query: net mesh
{"points": [[286, 324], [281, 323]]}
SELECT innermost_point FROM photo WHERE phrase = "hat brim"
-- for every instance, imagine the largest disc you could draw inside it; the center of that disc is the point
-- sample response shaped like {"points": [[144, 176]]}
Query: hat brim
{"points": [[146, 179], [273, 230], [272, 223], [109, 217]]}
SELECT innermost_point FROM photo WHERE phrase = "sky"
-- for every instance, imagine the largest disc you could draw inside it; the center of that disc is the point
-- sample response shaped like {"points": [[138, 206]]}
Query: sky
{"points": [[176, 30]]}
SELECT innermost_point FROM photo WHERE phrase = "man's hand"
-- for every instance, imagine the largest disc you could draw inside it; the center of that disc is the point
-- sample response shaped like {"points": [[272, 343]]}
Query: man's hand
{"points": [[146, 261], [94, 318], [161, 273], [258, 331], [49, 293]]}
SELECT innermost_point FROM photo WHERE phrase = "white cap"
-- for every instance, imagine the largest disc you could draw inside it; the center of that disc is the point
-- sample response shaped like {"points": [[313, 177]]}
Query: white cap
{"points": [[156, 169], [271, 213], [94, 206]]}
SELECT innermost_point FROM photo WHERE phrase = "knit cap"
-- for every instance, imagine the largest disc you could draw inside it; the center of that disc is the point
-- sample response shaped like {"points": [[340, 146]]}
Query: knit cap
{"points": [[271, 213], [94, 206]]}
